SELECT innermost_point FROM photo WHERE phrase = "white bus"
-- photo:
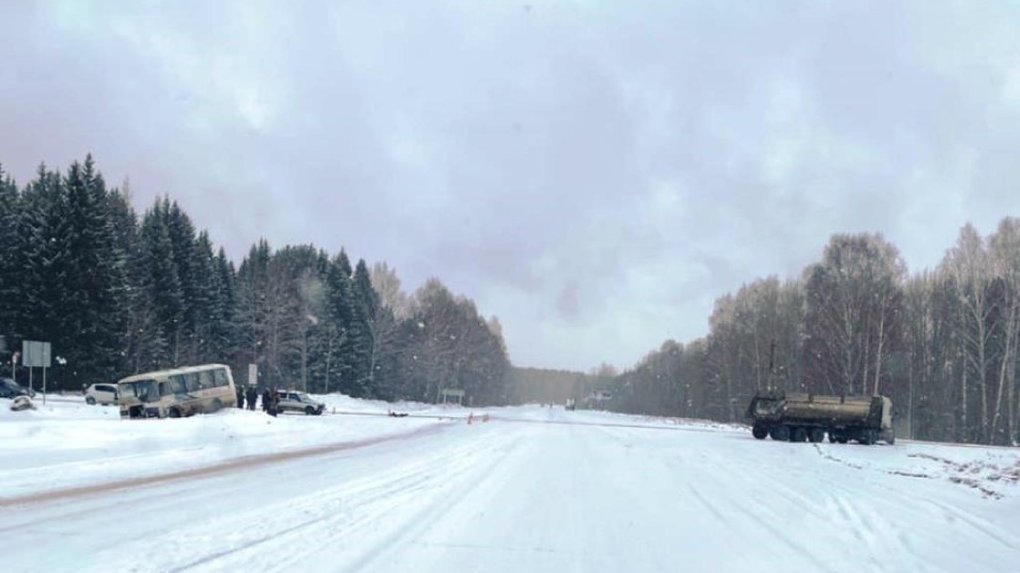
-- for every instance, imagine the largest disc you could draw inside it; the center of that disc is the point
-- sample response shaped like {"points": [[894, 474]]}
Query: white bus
{"points": [[177, 392]]}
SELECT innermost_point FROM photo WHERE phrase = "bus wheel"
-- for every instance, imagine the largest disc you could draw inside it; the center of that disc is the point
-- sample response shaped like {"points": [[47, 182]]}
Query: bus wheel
{"points": [[90, 401], [217, 405], [174, 413]]}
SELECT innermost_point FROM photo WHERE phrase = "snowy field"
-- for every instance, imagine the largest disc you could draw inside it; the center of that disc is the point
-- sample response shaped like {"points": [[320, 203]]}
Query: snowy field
{"points": [[533, 489]]}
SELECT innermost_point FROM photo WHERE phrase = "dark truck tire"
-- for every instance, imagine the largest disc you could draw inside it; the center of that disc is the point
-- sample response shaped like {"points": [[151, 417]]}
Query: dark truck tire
{"points": [[798, 435], [816, 435], [888, 436], [780, 433], [867, 437], [759, 432]]}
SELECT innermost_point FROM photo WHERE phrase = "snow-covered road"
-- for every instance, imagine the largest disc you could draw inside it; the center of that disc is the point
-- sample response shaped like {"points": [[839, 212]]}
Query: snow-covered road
{"points": [[539, 489]]}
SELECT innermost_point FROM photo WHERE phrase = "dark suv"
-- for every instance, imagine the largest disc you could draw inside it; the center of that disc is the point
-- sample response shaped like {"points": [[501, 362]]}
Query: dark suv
{"points": [[11, 389]]}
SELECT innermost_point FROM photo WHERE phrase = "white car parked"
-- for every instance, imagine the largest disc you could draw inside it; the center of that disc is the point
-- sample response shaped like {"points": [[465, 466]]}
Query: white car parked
{"points": [[101, 394], [294, 401]]}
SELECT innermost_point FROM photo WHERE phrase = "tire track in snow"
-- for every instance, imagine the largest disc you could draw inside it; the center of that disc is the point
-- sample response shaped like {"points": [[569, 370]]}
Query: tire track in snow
{"points": [[361, 506], [249, 462]]}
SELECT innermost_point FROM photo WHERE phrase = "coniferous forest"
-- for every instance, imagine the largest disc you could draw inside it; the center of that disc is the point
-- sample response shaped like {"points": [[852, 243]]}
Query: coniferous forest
{"points": [[116, 293]]}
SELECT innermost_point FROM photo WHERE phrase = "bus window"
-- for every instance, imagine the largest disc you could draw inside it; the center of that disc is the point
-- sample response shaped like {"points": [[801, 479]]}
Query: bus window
{"points": [[177, 385], [221, 376], [192, 382], [206, 378]]}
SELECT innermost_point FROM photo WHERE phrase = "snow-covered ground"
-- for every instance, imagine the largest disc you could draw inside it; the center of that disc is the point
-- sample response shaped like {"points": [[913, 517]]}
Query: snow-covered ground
{"points": [[533, 489], [59, 444]]}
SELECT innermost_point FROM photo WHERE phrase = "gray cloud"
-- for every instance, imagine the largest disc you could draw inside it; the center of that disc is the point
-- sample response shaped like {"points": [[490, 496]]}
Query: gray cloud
{"points": [[593, 173]]}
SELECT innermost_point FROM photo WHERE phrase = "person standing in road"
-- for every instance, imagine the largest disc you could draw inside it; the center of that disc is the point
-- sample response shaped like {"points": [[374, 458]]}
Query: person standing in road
{"points": [[240, 397], [265, 400], [274, 403], [253, 396]]}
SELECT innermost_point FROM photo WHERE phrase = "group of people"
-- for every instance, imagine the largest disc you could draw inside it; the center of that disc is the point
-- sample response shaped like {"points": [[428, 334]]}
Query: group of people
{"points": [[249, 396]]}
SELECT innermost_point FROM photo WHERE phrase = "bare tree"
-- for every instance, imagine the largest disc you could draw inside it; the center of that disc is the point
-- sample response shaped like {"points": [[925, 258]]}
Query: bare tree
{"points": [[854, 296], [968, 266]]}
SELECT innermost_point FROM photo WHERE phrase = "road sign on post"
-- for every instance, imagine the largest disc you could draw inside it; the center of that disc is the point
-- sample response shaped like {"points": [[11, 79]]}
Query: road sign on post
{"points": [[253, 375], [35, 354]]}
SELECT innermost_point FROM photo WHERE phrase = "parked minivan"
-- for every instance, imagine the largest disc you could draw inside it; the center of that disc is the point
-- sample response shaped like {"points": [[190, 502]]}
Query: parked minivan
{"points": [[101, 394]]}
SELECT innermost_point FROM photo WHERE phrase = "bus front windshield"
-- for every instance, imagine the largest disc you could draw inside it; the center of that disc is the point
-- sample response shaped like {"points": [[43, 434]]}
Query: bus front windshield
{"points": [[144, 390]]}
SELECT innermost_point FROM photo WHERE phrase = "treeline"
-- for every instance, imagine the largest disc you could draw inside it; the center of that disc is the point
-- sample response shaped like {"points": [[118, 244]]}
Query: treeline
{"points": [[943, 344], [117, 294]]}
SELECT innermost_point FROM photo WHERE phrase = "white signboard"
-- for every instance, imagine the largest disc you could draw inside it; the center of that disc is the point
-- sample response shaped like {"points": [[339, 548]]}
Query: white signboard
{"points": [[253, 375], [35, 354]]}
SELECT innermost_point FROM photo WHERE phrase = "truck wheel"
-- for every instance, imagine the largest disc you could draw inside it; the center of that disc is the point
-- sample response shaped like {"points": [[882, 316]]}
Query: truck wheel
{"points": [[759, 432], [867, 437], [780, 433], [833, 437], [816, 435], [798, 435]]}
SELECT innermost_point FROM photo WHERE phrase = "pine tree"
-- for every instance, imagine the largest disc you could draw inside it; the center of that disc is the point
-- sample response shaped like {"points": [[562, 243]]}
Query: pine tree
{"points": [[339, 369], [161, 284], [41, 256], [123, 222], [183, 243], [222, 335], [204, 302], [88, 322], [10, 277], [251, 307], [365, 304]]}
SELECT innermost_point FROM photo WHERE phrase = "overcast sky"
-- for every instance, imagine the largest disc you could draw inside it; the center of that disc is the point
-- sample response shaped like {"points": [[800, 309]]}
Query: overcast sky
{"points": [[594, 173]]}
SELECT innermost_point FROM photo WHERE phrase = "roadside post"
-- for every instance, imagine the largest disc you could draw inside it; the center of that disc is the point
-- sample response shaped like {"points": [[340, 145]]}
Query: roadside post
{"points": [[36, 354]]}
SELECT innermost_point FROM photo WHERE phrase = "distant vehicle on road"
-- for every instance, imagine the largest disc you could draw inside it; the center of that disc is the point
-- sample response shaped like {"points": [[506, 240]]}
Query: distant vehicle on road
{"points": [[799, 417], [294, 401], [178, 392], [101, 394], [11, 389]]}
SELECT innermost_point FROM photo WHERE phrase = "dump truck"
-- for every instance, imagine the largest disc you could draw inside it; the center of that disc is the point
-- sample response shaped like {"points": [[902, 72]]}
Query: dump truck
{"points": [[799, 417]]}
